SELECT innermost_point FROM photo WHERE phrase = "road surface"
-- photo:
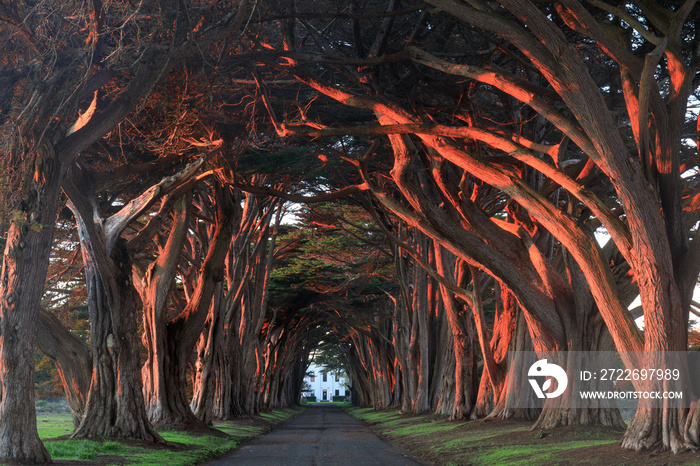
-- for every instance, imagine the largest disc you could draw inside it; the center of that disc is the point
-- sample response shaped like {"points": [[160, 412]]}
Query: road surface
{"points": [[322, 434]]}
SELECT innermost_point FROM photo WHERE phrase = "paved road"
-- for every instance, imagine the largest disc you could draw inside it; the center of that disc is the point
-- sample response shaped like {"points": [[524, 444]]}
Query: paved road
{"points": [[321, 435]]}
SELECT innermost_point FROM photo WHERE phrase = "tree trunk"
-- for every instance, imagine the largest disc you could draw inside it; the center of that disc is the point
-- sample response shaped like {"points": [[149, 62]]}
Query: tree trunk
{"points": [[463, 339], [202, 403], [510, 335], [248, 268], [589, 334], [29, 239], [223, 407], [438, 341], [401, 320], [115, 406], [157, 281], [418, 343], [181, 334], [24, 265], [654, 426], [448, 386], [73, 360]]}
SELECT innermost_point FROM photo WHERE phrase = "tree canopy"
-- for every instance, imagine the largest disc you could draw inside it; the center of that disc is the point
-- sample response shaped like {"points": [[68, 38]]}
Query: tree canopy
{"points": [[449, 163]]}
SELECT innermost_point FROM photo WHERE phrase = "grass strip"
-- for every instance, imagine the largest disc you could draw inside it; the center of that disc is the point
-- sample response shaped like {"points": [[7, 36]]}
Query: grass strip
{"points": [[183, 449], [436, 440]]}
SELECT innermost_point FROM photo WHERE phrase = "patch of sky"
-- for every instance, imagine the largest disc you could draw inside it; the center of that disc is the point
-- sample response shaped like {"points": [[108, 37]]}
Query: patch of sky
{"points": [[602, 236]]}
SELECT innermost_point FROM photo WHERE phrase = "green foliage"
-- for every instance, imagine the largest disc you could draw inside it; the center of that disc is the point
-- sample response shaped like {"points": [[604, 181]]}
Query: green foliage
{"points": [[330, 356], [66, 295], [334, 249], [293, 161], [46, 379], [335, 263]]}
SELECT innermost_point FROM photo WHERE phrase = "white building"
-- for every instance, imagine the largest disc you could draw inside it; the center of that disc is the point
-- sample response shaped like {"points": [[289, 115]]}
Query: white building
{"points": [[324, 386]]}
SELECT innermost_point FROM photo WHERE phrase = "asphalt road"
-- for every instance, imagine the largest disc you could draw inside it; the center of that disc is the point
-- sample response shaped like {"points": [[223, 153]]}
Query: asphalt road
{"points": [[321, 435]]}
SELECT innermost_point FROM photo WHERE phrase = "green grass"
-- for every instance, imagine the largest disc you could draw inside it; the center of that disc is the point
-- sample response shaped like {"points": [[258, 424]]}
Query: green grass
{"points": [[440, 441], [466, 438], [388, 418], [82, 449], [211, 448], [54, 425], [421, 429], [514, 455], [185, 448], [240, 431]]}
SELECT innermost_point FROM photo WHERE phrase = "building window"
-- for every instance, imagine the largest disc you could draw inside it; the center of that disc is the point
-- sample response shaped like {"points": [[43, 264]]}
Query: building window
{"points": [[325, 376], [313, 377], [337, 392]]}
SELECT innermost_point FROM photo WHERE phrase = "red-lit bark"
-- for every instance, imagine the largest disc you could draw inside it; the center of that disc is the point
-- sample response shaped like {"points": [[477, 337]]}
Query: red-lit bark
{"points": [[648, 185], [155, 287], [248, 338], [552, 313], [510, 336], [546, 297], [235, 351], [204, 374], [166, 391], [114, 406], [418, 346], [373, 373]]}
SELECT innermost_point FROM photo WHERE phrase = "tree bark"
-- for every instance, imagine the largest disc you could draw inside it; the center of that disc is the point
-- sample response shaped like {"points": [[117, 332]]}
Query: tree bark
{"points": [[202, 403], [510, 335], [463, 340], [248, 266], [73, 361], [181, 334], [24, 266], [418, 344], [115, 406], [29, 241], [155, 288]]}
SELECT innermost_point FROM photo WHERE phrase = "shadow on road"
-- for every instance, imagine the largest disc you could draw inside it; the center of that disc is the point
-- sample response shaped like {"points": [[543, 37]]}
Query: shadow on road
{"points": [[321, 435]]}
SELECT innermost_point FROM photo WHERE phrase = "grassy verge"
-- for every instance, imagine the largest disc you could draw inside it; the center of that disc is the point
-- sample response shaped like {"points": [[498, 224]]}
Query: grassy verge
{"points": [[435, 440], [184, 448]]}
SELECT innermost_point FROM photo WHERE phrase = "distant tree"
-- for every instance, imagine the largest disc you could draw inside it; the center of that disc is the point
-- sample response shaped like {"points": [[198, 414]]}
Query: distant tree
{"points": [[330, 357]]}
